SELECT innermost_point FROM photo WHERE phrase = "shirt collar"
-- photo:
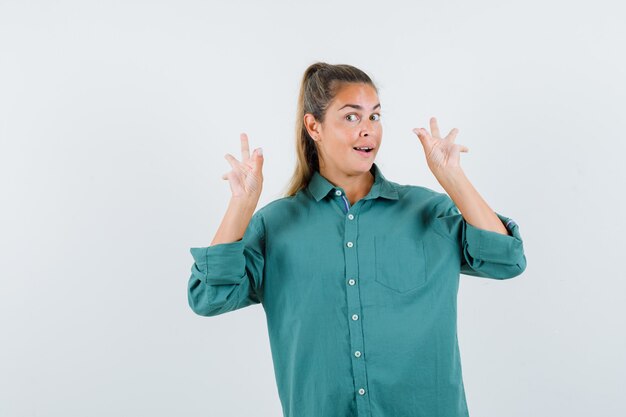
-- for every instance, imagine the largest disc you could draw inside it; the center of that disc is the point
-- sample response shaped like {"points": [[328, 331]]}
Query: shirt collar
{"points": [[319, 186]]}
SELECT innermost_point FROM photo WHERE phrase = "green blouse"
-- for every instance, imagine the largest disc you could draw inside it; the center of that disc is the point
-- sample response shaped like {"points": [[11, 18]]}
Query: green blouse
{"points": [[361, 300]]}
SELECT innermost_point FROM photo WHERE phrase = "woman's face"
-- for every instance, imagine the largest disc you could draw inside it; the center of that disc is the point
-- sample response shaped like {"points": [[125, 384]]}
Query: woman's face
{"points": [[352, 120]]}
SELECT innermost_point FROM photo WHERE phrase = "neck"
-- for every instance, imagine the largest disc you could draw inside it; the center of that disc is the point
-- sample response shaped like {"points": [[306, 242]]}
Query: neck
{"points": [[355, 186]]}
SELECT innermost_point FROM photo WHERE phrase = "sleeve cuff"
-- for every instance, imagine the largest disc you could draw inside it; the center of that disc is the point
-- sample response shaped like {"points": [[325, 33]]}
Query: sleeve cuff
{"points": [[223, 263], [493, 246]]}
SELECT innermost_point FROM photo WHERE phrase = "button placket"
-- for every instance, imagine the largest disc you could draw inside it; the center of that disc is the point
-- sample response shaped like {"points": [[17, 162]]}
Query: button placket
{"points": [[345, 204], [354, 307]]}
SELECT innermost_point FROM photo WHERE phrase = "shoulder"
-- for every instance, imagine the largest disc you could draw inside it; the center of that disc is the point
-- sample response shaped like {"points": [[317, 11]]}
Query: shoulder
{"points": [[423, 195], [279, 208], [425, 200]]}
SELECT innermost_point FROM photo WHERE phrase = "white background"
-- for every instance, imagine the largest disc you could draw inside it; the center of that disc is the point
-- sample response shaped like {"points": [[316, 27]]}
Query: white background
{"points": [[114, 120]]}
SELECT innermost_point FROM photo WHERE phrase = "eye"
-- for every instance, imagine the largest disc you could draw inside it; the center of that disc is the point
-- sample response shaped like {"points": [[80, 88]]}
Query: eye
{"points": [[348, 117], [376, 116]]}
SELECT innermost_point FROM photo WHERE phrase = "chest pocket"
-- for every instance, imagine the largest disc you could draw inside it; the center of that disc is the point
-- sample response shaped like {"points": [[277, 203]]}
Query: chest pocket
{"points": [[400, 263]]}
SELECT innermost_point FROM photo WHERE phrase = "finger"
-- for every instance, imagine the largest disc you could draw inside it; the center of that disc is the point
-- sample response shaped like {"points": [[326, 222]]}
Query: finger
{"points": [[452, 135], [238, 166], [244, 169], [231, 160], [434, 128], [245, 148], [225, 176], [422, 134], [463, 149], [420, 131], [258, 155]]}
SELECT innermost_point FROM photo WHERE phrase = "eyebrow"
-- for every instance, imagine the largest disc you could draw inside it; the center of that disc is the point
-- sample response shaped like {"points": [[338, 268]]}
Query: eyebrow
{"points": [[356, 106]]}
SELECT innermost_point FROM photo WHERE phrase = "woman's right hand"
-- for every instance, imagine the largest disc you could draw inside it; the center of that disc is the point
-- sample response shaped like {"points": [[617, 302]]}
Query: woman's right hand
{"points": [[245, 177]]}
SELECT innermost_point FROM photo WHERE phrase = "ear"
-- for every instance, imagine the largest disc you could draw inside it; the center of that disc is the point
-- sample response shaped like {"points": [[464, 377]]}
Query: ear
{"points": [[312, 126]]}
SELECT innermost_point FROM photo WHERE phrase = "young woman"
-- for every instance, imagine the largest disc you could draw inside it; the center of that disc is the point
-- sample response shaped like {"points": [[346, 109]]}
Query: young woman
{"points": [[358, 275]]}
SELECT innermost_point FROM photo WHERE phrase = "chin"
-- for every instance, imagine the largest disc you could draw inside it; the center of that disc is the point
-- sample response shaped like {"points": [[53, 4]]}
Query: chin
{"points": [[363, 166]]}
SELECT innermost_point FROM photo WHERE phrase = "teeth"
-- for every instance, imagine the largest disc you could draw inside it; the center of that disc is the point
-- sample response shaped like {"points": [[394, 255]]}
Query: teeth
{"points": [[362, 148]]}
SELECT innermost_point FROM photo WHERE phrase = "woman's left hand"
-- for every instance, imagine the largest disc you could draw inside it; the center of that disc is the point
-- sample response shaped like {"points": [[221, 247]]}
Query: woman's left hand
{"points": [[442, 154]]}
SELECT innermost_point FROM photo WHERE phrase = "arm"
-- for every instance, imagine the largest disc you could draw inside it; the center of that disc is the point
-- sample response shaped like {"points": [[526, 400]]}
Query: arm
{"points": [[235, 221], [443, 159], [484, 253], [474, 208], [228, 276], [491, 244]]}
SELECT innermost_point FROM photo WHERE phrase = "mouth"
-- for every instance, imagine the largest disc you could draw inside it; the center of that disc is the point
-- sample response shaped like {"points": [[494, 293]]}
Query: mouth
{"points": [[364, 151]]}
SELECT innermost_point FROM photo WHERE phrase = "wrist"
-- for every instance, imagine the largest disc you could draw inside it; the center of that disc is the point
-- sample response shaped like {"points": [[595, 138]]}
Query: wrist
{"points": [[451, 177], [243, 204]]}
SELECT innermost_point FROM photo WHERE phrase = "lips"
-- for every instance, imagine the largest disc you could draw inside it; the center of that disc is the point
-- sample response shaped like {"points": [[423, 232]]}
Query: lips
{"points": [[364, 148], [364, 153], [365, 145]]}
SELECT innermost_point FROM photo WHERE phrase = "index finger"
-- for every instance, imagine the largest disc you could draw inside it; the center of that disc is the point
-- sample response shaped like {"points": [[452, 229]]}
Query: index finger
{"points": [[434, 128], [245, 148]]}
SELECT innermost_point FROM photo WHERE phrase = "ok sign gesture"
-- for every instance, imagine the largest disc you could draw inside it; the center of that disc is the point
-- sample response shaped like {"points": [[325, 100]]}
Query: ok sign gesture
{"points": [[442, 154], [246, 176]]}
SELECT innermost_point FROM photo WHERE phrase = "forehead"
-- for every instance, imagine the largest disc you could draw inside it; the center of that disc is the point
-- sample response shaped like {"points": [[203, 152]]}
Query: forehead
{"points": [[356, 93]]}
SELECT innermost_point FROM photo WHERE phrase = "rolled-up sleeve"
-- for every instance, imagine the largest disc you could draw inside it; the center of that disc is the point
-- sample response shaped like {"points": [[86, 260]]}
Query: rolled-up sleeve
{"points": [[485, 253], [228, 276]]}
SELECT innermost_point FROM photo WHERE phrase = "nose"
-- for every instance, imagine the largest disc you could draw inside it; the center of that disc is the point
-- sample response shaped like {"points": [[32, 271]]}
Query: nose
{"points": [[367, 128]]}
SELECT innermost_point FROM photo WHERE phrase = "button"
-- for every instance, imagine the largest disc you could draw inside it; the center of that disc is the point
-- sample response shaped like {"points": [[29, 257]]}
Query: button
{"points": [[338, 192], [351, 281], [355, 317], [349, 244], [361, 391], [351, 216], [357, 354]]}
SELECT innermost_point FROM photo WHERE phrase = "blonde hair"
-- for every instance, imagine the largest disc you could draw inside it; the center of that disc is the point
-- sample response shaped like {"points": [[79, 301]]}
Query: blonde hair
{"points": [[319, 86]]}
